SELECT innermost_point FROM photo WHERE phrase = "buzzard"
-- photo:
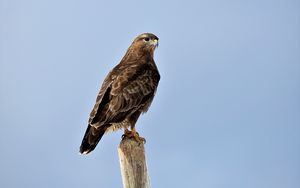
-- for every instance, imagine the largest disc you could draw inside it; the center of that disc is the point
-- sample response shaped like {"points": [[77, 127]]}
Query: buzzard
{"points": [[126, 92]]}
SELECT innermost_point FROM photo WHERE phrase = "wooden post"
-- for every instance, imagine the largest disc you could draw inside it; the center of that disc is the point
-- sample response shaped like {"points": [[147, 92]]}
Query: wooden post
{"points": [[133, 164]]}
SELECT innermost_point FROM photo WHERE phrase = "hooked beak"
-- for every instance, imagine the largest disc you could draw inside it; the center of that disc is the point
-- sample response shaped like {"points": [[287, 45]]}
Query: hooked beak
{"points": [[154, 42]]}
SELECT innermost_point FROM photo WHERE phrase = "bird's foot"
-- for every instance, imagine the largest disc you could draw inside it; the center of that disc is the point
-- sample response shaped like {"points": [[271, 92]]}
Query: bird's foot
{"points": [[135, 135], [139, 139], [127, 133]]}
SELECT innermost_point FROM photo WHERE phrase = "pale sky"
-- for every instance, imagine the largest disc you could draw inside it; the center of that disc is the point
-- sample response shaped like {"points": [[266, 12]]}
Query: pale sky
{"points": [[227, 109]]}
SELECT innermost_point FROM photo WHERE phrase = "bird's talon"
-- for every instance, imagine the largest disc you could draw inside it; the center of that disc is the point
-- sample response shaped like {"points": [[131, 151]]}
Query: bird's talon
{"points": [[139, 139], [127, 133]]}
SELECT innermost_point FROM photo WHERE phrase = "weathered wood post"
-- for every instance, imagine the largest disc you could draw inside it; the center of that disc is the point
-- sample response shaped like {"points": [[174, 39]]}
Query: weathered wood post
{"points": [[133, 164]]}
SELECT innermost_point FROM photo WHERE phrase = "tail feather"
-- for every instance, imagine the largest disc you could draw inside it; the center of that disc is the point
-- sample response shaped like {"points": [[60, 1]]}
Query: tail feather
{"points": [[91, 138]]}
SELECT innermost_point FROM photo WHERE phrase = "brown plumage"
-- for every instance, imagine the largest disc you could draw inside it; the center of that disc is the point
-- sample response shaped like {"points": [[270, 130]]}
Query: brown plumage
{"points": [[126, 92]]}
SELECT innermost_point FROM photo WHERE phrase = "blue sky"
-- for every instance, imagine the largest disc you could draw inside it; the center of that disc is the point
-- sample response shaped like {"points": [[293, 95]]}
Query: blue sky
{"points": [[227, 110]]}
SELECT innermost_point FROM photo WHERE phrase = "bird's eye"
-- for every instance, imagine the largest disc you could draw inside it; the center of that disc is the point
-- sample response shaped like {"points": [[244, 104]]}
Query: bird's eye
{"points": [[147, 39]]}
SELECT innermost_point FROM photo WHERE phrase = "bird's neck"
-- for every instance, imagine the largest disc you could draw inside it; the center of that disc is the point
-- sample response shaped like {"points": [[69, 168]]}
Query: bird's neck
{"points": [[135, 55]]}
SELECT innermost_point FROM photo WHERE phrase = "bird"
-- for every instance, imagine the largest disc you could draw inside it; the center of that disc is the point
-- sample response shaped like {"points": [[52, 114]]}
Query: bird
{"points": [[127, 92]]}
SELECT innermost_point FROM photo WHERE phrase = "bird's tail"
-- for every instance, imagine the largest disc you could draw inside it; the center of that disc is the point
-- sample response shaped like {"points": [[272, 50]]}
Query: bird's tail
{"points": [[91, 138]]}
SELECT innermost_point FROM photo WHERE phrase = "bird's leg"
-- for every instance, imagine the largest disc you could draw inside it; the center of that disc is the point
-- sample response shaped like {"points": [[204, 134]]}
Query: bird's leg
{"points": [[133, 134]]}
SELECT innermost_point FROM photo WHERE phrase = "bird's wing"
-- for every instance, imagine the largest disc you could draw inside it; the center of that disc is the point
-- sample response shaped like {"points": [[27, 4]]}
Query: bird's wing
{"points": [[133, 87], [102, 99], [127, 90]]}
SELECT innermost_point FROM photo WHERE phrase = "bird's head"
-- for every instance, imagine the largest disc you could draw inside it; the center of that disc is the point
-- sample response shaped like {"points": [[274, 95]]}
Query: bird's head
{"points": [[146, 42], [142, 46]]}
